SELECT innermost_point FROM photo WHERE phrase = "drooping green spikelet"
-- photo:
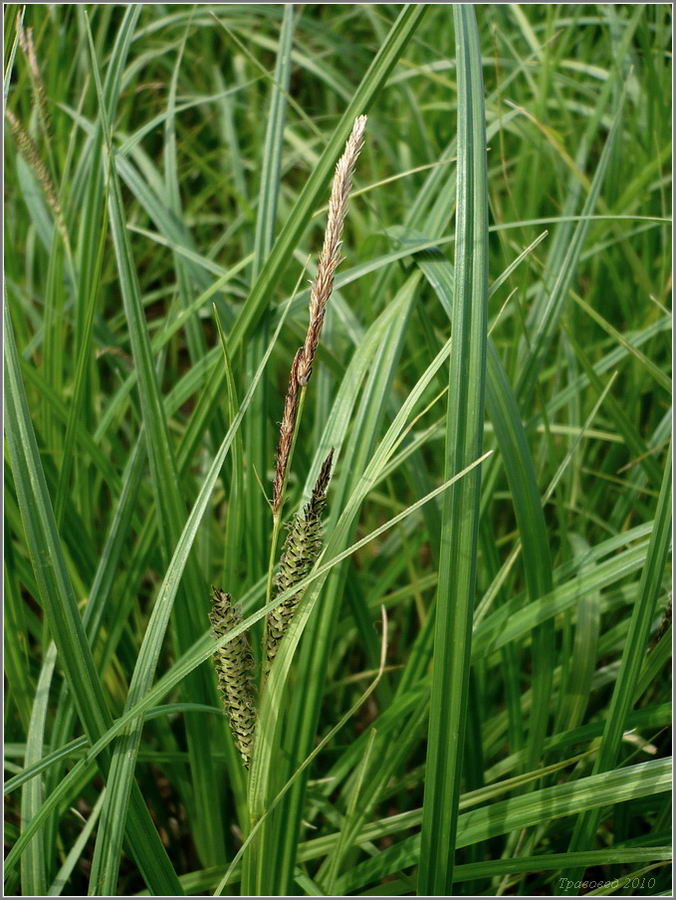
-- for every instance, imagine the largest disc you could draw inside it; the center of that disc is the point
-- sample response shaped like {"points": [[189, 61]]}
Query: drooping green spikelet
{"points": [[234, 667], [302, 547]]}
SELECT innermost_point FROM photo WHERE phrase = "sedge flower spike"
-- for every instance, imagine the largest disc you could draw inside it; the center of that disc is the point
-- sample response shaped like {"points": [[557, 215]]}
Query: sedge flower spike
{"points": [[235, 667], [330, 258], [302, 547], [320, 293]]}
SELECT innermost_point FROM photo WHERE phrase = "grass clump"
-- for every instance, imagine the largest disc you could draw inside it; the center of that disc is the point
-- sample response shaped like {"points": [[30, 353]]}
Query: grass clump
{"points": [[451, 672]]}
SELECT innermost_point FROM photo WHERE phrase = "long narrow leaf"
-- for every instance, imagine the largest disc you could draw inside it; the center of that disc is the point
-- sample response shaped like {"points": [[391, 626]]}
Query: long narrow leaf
{"points": [[460, 517], [60, 608]]}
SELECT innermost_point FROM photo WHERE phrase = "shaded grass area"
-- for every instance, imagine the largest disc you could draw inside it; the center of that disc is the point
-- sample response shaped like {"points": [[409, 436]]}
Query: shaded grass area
{"points": [[168, 170]]}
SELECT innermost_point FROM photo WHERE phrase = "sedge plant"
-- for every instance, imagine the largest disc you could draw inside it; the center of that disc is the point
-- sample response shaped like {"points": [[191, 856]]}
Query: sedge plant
{"points": [[436, 659]]}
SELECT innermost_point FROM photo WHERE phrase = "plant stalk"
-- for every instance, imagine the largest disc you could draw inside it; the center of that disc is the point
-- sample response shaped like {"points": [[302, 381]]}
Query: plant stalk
{"points": [[277, 525]]}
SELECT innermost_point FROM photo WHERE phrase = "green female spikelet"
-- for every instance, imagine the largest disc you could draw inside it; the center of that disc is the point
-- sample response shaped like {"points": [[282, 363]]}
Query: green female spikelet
{"points": [[302, 547], [234, 667]]}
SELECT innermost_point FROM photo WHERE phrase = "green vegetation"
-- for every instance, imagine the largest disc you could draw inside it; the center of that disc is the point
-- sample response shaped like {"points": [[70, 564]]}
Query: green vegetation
{"points": [[466, 687]]}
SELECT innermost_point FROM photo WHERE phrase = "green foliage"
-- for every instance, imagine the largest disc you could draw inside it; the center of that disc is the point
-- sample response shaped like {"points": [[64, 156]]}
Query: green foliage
{"points": [[508, 238]]}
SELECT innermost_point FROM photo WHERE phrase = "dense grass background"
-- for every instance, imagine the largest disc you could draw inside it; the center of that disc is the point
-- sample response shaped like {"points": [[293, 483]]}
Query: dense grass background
{"points": [[191, 150]]}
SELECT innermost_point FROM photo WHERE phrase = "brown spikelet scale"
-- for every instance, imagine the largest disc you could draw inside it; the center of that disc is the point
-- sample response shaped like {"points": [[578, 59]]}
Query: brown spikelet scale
{"points": [[302, 547], [235, 669], [330, 257], [320, 292]]}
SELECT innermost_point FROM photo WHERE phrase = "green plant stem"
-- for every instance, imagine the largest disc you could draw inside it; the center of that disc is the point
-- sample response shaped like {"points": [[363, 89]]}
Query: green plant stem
{"points": [[253, 859], [277, 525]]}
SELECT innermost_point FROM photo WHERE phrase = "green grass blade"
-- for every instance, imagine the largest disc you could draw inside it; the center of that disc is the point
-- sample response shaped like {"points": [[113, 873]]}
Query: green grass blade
{"points": [[489, 821], [257, 437], [460, 517], [77, 850], [652, 578], [372, 82], [172, 512], [515, 455], [557, 292], [33, 868], [315, 652], [60, 608], [17, 665], [90, 248], [268, 193], [190, 148]]}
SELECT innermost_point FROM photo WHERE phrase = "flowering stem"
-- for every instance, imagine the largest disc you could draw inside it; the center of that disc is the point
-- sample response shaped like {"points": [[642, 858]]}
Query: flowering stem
{"points": [[277, 521]]}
